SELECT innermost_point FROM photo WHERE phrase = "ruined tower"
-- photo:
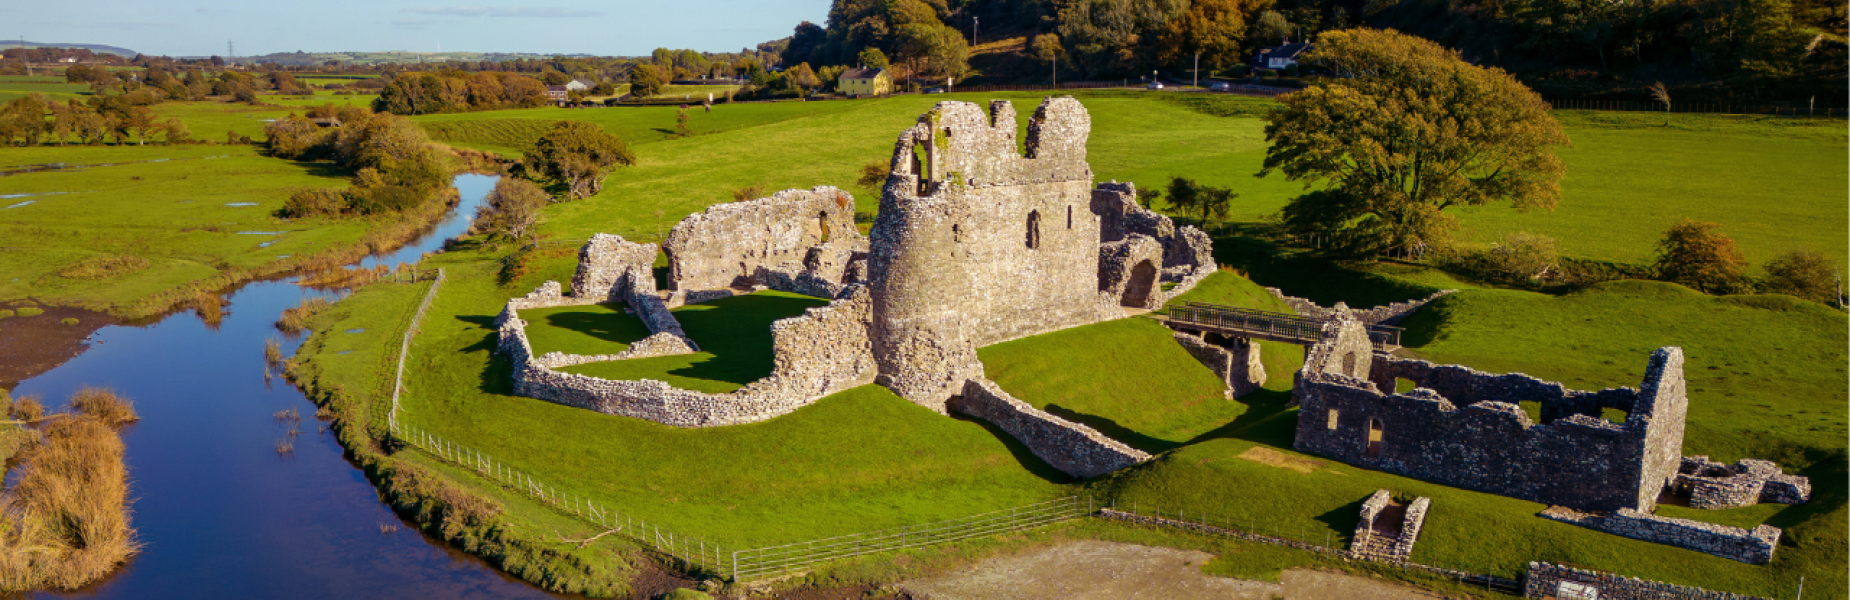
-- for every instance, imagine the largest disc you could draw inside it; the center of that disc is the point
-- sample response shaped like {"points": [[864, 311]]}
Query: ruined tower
{"points": [[976, 243]]}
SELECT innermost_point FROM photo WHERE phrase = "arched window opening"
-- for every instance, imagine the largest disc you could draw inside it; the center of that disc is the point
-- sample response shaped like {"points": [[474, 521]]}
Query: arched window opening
{"points": [[921, 168], [1034, 230], [822, 220]]}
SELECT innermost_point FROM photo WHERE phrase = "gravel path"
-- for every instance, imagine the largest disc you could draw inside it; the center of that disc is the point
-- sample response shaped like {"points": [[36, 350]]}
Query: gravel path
{"points": [[1096, 569]]}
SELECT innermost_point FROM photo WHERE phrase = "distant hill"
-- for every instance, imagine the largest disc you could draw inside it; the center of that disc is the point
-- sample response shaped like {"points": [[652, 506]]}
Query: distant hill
{"points": [[123, 52], [380, 58]]}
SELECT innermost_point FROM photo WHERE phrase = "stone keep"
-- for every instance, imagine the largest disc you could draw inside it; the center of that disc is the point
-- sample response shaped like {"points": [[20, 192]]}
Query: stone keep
{"points": [[977, 244]]}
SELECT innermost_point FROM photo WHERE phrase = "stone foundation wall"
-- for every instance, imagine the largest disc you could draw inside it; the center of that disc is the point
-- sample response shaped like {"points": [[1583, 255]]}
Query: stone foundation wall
{"points": [[1464, 385], [1076, 449], [1544, 581], [1753, 546], [1386, 314], [1713, 485], [1371, 510], [1492, 446], [1410, 528], [1239, 367]]}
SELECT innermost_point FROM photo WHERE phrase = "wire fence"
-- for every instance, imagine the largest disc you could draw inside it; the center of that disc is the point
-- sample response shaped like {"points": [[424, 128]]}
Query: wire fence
{"points": [[1702, 108]]}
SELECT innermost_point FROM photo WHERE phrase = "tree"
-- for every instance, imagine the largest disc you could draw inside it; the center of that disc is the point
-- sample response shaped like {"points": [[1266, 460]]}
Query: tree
{"points": [[511, 211], [1046, 46], [1189, 197], [578, 156], [680, 123], [1404, 131], [873, 58], [646, 80], [933, 49], [874, 174], [1271, 26], [174, 132], [804, 78], [1211, 29], [1692, 253], [1661, 95], [1806, 274]]}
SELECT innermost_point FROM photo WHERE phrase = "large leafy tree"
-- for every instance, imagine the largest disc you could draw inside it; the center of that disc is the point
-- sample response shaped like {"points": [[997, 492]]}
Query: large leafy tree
{"points": [[577, 156], [1402, 131], [513, 208]]}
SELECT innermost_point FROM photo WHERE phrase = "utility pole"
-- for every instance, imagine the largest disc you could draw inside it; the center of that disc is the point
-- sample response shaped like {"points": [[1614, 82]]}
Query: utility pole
{"points": [[1197, 69], [976, 29], [24, 56], [1056, 71], [231, 53]]}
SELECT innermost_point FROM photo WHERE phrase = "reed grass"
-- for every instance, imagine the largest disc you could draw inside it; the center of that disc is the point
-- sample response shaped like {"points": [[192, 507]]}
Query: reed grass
{"points": [[25, 408], [295, 320], [272, 352], [65, 523], [105, 405]]}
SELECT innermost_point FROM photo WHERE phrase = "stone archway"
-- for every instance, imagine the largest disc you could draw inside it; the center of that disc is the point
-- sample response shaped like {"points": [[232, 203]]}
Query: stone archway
{"points": [[1141, 285]]}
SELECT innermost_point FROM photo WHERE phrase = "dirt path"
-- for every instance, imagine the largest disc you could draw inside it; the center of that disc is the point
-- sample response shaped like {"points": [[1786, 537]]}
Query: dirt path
{"points": [[1096, 569]]}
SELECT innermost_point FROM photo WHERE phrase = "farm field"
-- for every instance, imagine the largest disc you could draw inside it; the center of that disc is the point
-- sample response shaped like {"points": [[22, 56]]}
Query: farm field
{"points": [[320, 98], [208, 121], [1630, 176]]}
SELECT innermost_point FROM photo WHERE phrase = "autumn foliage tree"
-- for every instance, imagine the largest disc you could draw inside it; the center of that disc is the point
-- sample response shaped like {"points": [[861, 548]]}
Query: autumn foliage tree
{"points": [[576, 156], [1694, 254], [1806, 274], [1403, 131], [511, 211]]}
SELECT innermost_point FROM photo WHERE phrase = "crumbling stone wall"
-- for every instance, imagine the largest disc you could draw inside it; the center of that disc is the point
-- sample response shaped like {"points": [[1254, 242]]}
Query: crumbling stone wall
{"points": [[1131, 271], [1753, 546], [1076, 449], [1368, 543], [1713, 485], [1187, 252], [1238, 366], [1386, 314], [1345, 350], [1491, 445], [801, 241], [976, 244], [1544, 581]]}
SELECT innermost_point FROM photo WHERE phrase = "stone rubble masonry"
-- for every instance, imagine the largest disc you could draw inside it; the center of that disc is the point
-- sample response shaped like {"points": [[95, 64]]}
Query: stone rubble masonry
{"points": [[1130, 270], [820, 353], [1754, 546], [603, 262], [976, 244], [1345, 348], [1490, 444], [1187, 252], [1386, 314], [1713, 485], [800, 241], [1544, 581], [1076, 449], [1401, 547], [1365, 527], [1410, 527], [1238, 366]]}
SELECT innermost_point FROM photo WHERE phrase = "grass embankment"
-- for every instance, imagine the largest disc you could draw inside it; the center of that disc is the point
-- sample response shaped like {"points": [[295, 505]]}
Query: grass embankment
{"points": [[734, 336], [1630, 175], [164, 224], [66, 522]]}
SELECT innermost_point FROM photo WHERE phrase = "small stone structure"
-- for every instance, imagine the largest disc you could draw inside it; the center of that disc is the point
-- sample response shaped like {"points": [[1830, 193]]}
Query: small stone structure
{"points": [[1753, 546], [1078, 450], [1713, 485], [1186, 257], [1388, 531], [1556, 582], [1236, 363], [1386, 314], [801, 241]]}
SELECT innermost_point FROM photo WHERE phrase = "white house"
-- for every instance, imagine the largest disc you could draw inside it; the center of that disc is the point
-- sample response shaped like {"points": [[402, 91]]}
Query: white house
{"points": [[1279, 57]]}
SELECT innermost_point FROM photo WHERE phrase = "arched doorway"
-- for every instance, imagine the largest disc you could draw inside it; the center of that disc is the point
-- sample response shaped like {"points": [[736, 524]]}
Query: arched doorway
{"points": [[1140, 285], [1374, 438]]}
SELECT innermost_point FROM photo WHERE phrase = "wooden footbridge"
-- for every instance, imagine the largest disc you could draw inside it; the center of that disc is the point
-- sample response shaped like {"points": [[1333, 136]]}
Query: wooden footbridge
{"points": [[1264, 325]]}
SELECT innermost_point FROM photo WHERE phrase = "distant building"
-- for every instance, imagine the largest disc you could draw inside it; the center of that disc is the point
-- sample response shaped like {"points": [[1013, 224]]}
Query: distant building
{"points": [[577, 86], [865, 82], [1279, 57], [558, 93]]}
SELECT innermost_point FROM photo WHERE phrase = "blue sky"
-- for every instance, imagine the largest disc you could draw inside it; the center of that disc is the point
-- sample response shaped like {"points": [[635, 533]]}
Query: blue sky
{"points": [[615, 27]]}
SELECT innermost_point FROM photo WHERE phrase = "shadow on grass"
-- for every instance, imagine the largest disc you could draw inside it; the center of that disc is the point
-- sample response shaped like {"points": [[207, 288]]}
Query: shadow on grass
{"points": [[737, 332], [1829, 480], [1344, 518], [1268, 420], [498, 378], [1023, 455], [1322, 278], [1113, 430], [611, 326]]}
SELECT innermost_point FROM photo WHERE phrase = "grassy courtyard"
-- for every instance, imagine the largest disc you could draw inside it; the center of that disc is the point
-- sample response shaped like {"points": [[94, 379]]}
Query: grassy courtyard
{"points": [[588, 330], [734, 336]]}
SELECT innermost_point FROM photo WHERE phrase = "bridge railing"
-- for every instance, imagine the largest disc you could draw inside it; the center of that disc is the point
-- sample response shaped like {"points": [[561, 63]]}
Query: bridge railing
{"points": [[1278, 326]]}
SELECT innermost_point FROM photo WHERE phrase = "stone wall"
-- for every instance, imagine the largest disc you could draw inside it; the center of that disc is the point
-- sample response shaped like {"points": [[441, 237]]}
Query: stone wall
{"points": [[1713, 485], [1073, 448], [1371, 511], [1187, 252], [1753, 546], [1386, 314], [1544, 580], [1131, 271], [794, 234], [1491, 445], [1410, 527], [604, 261], [1345, 348], [977, 244], [1238, 366]]}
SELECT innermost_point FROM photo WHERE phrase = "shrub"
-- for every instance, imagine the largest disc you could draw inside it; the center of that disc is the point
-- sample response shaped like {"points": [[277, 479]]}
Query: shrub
{"points": [[1692, 253], [5, 312], [69, 321], [314, 203], [30, 311], [104, 404], [1523, 256], [1806, 274], [874, 174], [25, 408], [295, 319], [750, 192]]}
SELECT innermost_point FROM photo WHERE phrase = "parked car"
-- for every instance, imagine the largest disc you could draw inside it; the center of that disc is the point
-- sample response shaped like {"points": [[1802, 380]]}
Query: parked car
{"points": [[1156, 85], [936, 90], [1221, 86]]}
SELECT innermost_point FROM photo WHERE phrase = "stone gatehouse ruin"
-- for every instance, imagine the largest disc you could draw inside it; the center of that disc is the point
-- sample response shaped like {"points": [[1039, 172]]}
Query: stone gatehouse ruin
{"points": [[976, 242], [1466, 428]]}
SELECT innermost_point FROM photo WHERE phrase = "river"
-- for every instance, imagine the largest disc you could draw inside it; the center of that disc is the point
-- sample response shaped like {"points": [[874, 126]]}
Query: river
{"points": [[221, 512]]}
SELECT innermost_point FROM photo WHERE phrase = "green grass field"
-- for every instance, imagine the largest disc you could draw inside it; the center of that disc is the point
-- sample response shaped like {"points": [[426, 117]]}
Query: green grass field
{"points": [[208, 121], [588, 330], [320, 98], [1769, 181], [170, 205], [734, 335]]}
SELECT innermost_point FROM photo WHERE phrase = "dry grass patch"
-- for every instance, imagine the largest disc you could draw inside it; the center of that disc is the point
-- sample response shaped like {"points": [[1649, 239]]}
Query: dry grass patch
{"points": [[105, 405], [295, 320], [1269, 457], [65, 522], [103, 267]]}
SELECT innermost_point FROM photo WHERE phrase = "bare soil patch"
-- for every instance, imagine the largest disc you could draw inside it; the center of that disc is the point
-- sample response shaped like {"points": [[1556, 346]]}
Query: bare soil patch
{"points": [[39, 343], [1270, 457]]}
